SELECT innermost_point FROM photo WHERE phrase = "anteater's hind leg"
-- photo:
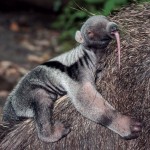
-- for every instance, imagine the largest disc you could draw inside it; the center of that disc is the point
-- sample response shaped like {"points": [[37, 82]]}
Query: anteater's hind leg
{"points": [[47, 130]]}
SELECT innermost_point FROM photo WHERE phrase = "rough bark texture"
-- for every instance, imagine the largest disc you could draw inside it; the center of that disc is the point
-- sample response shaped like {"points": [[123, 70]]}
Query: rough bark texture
{"points": [[128, 90]]}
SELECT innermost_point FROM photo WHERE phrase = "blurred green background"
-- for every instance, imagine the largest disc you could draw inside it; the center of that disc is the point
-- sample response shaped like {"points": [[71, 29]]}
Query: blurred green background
{"points": [[75, 12]]}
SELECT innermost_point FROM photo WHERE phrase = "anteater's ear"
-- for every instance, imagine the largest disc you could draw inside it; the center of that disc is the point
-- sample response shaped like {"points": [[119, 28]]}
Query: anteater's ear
{"points": [[78, 37]]}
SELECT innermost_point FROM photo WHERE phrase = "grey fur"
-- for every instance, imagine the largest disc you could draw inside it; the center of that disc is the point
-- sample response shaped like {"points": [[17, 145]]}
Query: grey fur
{"points": [[72, 73]]}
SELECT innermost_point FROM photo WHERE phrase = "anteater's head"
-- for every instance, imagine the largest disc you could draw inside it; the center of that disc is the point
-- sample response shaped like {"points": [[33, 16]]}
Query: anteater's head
{"points": [[97, 32]]}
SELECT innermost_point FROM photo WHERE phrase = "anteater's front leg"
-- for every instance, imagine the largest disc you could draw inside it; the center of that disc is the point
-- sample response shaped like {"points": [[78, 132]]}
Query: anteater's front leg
{"points": [[47, 130], [94, 107]]}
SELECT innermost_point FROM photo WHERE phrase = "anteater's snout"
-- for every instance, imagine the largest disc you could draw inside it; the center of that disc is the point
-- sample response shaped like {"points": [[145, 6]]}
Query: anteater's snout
{"points": [[111, 28]]}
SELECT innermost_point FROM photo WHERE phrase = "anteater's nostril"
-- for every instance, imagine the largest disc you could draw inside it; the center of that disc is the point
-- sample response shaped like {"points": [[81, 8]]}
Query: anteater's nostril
{"points": [[113, 28]]}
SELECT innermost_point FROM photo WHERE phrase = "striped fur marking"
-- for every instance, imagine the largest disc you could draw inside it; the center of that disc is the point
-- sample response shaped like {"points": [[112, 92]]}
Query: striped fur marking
{"points": [[73, 71]]}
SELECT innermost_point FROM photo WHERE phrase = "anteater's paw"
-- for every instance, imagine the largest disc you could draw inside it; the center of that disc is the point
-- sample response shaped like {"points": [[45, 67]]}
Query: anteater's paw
{"points": [[135, 129], [57, 132], [61, 130], [126, 127]]}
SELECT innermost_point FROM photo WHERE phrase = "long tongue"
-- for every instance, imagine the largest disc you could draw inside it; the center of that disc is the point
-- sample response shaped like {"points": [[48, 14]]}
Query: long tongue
{"points": [[118, 46]]}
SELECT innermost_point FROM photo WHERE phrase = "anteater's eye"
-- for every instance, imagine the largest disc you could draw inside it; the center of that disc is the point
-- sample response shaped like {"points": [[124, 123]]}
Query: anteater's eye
{"points": [[90, 34]]}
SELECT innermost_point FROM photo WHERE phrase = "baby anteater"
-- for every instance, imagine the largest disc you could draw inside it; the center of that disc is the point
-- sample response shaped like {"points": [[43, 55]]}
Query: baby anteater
{"points": [[72, 73]]}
